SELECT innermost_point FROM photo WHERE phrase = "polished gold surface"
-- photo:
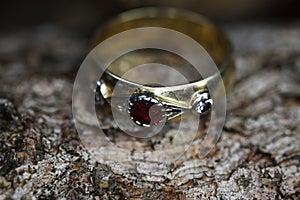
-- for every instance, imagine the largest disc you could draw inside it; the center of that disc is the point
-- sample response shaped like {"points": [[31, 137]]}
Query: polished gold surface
{"points": [[194, 25], [191, 24]]}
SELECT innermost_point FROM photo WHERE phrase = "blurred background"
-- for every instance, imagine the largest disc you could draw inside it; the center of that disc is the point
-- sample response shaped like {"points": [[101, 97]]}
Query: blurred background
{"points": [[53, 36], [83, 17]]}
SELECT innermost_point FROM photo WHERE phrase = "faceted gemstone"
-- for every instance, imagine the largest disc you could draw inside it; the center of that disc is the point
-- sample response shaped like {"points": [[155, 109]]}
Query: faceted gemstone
{"points": [[202, 103], [144, 110], [202, 107], [99, 100]]}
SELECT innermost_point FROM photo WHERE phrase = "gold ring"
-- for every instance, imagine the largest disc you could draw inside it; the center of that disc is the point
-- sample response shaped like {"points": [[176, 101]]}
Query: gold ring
{"points": [[151, 104]]}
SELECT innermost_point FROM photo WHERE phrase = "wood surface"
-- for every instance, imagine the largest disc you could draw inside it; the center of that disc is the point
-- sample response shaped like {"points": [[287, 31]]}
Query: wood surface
{"points": [[42, 157]]}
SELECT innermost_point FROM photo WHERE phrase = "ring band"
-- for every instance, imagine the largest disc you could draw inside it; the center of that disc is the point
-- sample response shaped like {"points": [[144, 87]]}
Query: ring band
{"points": [[150, 105]]}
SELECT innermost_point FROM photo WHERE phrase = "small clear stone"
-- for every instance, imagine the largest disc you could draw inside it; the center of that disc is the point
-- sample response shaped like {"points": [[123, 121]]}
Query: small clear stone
{"points": [[202, 103], [99, 100]]}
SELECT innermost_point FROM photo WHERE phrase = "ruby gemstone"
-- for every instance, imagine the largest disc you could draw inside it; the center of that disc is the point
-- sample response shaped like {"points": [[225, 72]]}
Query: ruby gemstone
{"points": [[144, 110]]}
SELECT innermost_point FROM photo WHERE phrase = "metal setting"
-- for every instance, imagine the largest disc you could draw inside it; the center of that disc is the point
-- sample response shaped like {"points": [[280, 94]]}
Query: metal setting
{"points": [[174, 100], [146, 98], [202, 103]]}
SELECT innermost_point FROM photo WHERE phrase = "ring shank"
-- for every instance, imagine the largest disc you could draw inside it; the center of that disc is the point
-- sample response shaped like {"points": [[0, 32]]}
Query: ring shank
{"points": [[193, 25]]}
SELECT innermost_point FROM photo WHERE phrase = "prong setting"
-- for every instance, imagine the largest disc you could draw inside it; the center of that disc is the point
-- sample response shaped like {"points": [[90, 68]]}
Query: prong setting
{"points": [[145, 110], [202, 103]]}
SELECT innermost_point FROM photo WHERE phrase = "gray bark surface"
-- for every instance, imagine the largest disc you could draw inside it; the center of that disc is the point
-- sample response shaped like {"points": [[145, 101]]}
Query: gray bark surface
{"points": [[257, 156]]}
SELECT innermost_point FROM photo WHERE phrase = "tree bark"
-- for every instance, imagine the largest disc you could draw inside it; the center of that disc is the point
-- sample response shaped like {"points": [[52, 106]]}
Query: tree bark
{"points": [[41, 154]]}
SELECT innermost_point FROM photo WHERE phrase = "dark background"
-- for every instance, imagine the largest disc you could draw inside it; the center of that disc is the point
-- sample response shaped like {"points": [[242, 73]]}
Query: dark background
{"points": [[83, 17]]}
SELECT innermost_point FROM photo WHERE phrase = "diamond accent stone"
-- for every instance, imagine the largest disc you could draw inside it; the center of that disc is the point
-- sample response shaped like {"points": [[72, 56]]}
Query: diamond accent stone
{"points": [[202, 103]]}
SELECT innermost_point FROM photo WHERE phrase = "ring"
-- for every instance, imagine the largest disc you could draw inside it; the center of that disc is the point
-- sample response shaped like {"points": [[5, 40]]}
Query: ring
{"points": [[150, 104]]}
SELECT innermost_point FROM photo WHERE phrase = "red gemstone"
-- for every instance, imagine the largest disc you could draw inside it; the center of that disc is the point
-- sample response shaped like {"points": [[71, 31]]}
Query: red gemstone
{"points": [[145, 111]]}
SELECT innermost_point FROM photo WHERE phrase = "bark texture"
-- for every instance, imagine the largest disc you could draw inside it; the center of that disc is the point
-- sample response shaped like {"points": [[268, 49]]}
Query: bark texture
{"points": [[257, 156]]}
